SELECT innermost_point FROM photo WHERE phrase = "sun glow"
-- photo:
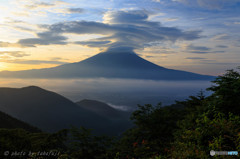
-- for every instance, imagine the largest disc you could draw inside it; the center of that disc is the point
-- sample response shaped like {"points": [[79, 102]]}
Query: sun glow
{"points": [[3, 49], [2, 66]]}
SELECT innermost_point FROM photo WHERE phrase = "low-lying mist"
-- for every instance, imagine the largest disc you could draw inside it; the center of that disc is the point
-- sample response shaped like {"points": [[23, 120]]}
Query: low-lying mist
{"points": [[119, 93]]}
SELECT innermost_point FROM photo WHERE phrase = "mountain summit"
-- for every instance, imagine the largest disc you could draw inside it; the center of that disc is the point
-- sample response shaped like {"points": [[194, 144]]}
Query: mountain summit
{"points": [[109, 65]]}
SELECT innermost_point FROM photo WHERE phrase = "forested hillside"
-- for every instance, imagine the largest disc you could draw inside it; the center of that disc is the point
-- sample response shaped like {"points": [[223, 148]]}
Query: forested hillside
{"points": [[6, 121]]}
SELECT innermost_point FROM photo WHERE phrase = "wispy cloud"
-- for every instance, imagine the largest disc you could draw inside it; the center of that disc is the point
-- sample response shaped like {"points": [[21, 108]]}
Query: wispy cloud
{"points": [[222, 46], [156, 0], [221, 37], [40, 5], [33, 62], [8, 44], [200, 49], [196, 58], [171, 19], [69, 10], [209, 4], [44, 38], [14, 53], [119, 107], [75, 10]]}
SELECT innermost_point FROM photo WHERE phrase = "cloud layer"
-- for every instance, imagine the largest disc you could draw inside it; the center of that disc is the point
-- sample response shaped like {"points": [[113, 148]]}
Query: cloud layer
{"points": [[14, 53], [210, 4], [122, 30], [202, 49]]}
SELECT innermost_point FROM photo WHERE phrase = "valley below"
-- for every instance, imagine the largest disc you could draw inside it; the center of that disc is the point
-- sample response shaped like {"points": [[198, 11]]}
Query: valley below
{"points": [[123, 94]]}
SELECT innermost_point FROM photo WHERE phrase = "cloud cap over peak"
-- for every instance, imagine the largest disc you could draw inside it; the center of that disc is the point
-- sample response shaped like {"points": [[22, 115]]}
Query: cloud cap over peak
{"points": [[125, 17]]}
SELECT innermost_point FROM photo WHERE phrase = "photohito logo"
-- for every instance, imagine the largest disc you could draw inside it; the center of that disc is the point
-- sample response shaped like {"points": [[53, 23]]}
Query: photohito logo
{"points": [[229, 153]]}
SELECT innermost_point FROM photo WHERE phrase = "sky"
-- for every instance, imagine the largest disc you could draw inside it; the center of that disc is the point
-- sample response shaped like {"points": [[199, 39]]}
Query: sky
{"points": [[200, 36]]}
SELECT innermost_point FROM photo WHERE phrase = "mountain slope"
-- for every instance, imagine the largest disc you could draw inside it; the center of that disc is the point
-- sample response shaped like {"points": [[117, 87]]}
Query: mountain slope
{"points": [[8, 122], [120, 118], [109, 65], [49, 111], [103, 109]]}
